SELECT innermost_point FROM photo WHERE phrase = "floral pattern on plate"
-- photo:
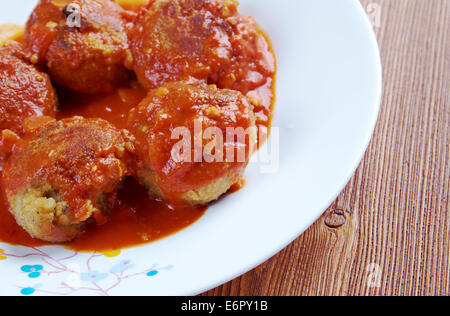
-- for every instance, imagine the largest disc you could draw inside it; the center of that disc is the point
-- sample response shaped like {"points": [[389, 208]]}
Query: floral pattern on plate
{"points": [[73, 273]]}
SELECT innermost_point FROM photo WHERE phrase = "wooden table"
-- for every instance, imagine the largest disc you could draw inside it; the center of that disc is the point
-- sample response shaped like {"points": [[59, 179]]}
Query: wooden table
{"points": [[388, 233]]}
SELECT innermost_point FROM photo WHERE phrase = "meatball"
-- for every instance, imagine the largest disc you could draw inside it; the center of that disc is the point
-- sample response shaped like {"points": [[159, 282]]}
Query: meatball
{"points": [[193, 142], [24, 90], [61, 175], [204, 39], [81, 42]]}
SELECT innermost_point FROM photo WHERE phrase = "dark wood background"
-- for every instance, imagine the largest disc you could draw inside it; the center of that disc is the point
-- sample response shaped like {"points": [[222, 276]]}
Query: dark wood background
{"points": [[388, 233]]}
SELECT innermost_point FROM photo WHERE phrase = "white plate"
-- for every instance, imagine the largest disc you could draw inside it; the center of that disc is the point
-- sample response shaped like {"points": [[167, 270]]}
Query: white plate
{"points": [[329, 90]]}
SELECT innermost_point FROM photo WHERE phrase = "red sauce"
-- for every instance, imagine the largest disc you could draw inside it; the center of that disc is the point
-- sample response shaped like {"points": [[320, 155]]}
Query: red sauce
{"points": [[237, 186], [136, 219], [113, 107]]}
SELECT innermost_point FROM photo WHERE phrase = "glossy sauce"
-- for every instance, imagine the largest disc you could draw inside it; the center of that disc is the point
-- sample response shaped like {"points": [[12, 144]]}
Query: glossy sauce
{"points": [[136, 218]]}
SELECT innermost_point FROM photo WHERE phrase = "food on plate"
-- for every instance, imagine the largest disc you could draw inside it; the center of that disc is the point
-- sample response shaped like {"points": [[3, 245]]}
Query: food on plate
{"points": [[153, 114], [24, 90], [174, 40], [63, 174], [82, 43], [193, 141]]}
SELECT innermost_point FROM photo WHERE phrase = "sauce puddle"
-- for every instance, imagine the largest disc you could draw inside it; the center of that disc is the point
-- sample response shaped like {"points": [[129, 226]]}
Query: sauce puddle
{"points": [[136, 219]]}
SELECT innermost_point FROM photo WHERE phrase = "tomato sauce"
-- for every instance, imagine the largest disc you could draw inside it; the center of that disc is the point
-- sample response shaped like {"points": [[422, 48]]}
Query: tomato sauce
{"points": [[136, 218], [112, 107]]}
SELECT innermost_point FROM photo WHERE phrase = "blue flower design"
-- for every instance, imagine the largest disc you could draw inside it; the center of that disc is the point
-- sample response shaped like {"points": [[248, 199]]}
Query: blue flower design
{"points": [[32, 270], [152, 273], [122, 267], [27, 291], [93, 276]]}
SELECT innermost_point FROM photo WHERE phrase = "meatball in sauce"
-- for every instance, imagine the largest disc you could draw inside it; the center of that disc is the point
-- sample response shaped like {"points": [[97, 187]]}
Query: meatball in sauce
{"points": [[82, 43], [63, 174], [204, 39], [24, 91], [209, 158]]}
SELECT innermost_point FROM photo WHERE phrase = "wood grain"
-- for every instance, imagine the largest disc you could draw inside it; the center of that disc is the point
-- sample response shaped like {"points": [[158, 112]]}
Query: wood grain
{"points": [[395, 237]]}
